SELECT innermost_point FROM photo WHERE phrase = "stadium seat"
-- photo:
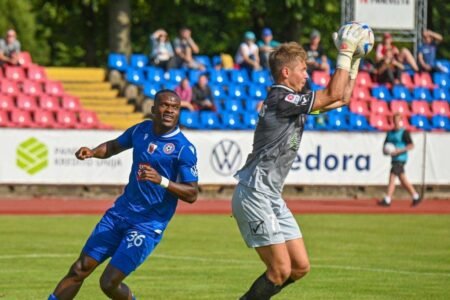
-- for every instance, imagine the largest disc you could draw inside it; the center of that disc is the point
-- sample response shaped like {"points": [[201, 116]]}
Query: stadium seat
{"points": [[252, 105], [404, 122], [138, 61], [117, 61], [218, 77], [6, 103], [89, 120], [217, 90], [359, 122], [170, 85], [406, 80], [239, 76], [154, 74], [36, 73], [441, 79], [421, 108], [381, 92], [321, 78], [401, 92], [4, 120], [364, 80], [441, 94], [236, 91], [194, 75], [400, 106], [231, 120], [440, 108], [26, 102], [250, 119], [359, 107], [310, 123], [420, 122], [175, 75], [44, 119], [343, 110], [49, 103], [444, 64], [54, 88], [421, 93], [337, 122], [9, 87], [151, 88], [31, 87], [362, 93], [379, 107], [234, 105], [209, 120], [15, 73], [261, 77], [135, 76], [218, 103], [380, 122], [25, 59], [70, 103], [22, 119], [440, 122], [204, 60], [190, 119], [67, 119], [216, 60], [257, 91], [423, 79]]}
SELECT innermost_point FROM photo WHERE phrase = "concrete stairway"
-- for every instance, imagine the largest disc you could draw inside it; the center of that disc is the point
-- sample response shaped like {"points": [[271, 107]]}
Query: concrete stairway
{"points": [[96, 94]]}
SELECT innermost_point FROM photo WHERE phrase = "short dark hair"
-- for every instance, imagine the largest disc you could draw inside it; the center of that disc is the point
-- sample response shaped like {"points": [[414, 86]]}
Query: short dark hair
{"points": [[164, 91]]}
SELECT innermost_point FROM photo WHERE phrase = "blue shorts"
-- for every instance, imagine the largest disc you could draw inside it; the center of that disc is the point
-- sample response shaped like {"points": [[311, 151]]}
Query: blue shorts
{"points": [[128, 245]]}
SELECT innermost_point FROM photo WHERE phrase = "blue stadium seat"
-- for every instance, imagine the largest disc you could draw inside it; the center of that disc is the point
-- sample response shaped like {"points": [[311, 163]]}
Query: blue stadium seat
{"points": [[239, 76], [444, 64], [359, 123], [234, 105], [218, 77], [421, 93], [154, 74], [441, 79], [261, 77], [337, 122], [151, 88], [135, 76], [117, 61], [343, 110], [251, 105], [420, 122], [216, 60], [170, 85], [401, 92], [189, 119], [310, 123], [217, 90], [204, 60], [175, 75], [257, 91], [194, 75], [250, 119], [441, 94], [209, 120], [218, 103], [440, 122], [138, 61], [381, 92], [236, 91], [320, 122], [232, 120]]}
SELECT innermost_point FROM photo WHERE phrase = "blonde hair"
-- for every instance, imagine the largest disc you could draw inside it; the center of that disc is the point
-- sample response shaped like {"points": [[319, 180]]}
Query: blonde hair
{"points": [[285, 55]]}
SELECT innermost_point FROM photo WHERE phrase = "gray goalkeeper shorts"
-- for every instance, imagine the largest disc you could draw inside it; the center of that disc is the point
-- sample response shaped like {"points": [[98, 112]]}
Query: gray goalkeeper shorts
{"points": [[263, 219]]}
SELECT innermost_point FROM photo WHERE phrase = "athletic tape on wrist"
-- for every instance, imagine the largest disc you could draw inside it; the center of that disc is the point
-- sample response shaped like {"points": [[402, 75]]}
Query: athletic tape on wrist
{"points": [[164, 182]]}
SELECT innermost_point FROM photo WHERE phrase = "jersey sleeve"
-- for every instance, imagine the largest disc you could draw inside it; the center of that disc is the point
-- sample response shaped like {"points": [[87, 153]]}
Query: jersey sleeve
{"points": [[295, 104], [407, 137], [126, 138], [188, 164]]}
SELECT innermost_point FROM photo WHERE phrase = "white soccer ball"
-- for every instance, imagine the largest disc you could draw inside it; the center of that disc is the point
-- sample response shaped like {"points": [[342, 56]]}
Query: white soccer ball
{"points": [[366, 43], [388, 148]]}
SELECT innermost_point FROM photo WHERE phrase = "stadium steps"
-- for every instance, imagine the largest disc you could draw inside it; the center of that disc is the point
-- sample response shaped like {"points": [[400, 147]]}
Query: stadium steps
{"points": [[88, 84]]}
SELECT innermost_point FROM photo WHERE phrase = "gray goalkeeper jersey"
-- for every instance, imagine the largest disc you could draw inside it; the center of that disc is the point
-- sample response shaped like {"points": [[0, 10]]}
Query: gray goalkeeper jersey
{"points": [[276, 140]]}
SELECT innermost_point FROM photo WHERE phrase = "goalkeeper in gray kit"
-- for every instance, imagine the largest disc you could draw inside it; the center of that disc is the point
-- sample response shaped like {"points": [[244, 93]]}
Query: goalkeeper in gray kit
{"points": [[265, 222]]}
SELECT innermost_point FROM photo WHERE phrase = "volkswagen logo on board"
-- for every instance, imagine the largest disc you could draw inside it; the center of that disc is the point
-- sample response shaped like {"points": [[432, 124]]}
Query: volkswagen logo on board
{"points": [[226, 157]]}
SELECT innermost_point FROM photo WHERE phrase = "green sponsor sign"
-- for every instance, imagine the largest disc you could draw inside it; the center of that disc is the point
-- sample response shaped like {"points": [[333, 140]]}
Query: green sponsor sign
{"points": [[32, 156]]}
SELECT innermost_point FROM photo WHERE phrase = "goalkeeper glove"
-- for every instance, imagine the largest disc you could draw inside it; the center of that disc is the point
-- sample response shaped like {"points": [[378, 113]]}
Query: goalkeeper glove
{"points": [[346, 44]]}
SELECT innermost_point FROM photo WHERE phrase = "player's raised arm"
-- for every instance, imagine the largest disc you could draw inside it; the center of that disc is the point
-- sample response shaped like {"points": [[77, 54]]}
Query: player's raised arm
{"points": [[104, 150]]}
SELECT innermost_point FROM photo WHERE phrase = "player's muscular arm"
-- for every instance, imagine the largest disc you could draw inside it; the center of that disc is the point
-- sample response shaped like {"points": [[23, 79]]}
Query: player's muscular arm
{"points": [[346, 99], [334, 92], [102, 151]]}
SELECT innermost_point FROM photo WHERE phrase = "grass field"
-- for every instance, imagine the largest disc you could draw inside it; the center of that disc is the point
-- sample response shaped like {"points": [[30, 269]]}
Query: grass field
{"points": [[203, 257]]}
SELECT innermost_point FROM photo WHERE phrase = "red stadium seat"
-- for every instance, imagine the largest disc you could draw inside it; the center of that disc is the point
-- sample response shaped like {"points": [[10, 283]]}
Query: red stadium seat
{"points": [[88, 119], [36, 73], [321, 78], [49, 103], [380, 122], [440, 108], [362, 93], [70, 103], [9, 87], [21, 118], [423, 80], [54, 88], [406, 80], [66, 119], [25, 59], [359, 107], [364, 80], [30, 87], [15, 73], [404, 122], [421, 108], [401, 107], [25, 102], [379, 107], [4, 120], [45, 119], [6, 103]]}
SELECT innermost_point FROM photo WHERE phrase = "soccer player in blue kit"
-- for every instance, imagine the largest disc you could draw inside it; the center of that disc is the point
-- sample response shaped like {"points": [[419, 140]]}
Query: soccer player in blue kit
{"points": [[164, 170]]}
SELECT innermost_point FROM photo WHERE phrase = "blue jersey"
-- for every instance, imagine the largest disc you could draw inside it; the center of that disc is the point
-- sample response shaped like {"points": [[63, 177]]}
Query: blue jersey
{"points": [[172, 156]]}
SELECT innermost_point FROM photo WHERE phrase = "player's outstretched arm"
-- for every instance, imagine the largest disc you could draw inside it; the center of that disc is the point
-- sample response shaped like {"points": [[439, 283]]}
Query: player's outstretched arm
{"points": [[102, 151]]}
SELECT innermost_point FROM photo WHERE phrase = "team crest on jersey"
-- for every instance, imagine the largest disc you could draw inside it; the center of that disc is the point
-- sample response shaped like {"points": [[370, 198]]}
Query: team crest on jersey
{"points": [[292, 98], [168, 148], [151, 148], [194, 171]]}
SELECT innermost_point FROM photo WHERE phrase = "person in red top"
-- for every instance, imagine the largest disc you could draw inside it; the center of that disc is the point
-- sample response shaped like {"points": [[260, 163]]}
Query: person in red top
{"points": [[184, 90], [403, 55]]}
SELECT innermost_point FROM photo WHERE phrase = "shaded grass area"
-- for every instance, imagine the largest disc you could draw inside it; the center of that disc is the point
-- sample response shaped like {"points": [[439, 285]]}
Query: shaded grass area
{"points": [[204, 257]]}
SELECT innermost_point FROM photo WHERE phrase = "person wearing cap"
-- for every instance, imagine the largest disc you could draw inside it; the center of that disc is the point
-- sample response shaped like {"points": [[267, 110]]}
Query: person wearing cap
{"points": [[266, 45], [404, 56], [316, 58], [247, 56], [9, 48]]}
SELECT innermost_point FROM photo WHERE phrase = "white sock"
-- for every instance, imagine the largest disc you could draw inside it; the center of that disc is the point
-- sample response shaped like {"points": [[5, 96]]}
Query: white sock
{"points": [[387, 199], [416, 196]]}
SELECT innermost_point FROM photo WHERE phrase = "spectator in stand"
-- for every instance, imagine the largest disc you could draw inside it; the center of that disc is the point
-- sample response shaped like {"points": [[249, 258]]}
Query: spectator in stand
{"points": [[389, 69], [427, 52], [184, 90], [316, 60], [202, 97], [162, 54], [266, 45], [404, 56], [185, 48], [247, 56], [9, 48]]}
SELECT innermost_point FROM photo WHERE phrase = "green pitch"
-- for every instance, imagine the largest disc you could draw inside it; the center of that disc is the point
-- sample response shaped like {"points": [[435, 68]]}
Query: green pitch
{"points": [[203, 257]]}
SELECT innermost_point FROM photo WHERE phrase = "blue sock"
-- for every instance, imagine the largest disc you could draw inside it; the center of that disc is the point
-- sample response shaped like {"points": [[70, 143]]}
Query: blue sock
{"points": [[52, 297]]}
